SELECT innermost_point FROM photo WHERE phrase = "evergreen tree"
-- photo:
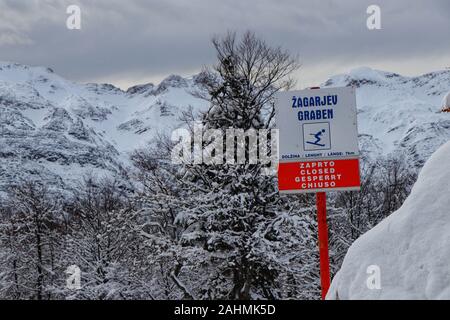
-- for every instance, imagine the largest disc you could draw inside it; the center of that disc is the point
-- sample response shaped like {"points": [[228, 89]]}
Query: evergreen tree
{"points": [[229, 209]]}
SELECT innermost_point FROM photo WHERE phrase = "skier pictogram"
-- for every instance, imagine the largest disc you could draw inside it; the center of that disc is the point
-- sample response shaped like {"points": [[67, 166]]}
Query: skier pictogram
{"points": [[318, 136]]}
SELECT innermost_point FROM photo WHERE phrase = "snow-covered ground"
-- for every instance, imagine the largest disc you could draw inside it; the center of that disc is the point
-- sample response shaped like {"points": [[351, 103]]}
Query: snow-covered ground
{"points": [[411, 247]]}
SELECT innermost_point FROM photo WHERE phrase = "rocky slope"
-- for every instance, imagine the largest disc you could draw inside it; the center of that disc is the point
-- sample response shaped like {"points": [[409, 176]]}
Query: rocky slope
{"points": [[55, 130]]}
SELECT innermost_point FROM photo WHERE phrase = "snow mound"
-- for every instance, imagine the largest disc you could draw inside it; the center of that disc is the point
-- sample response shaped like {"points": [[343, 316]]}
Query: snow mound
{"points": [[411, 246]]}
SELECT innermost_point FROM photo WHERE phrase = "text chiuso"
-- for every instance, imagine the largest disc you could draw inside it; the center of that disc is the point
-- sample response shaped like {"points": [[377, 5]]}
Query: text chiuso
{"points": [[316, 101]]}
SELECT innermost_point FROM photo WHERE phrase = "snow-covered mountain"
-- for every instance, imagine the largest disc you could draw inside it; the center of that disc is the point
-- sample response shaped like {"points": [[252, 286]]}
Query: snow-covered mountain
{"points": [[57, 130], [399, 115]]}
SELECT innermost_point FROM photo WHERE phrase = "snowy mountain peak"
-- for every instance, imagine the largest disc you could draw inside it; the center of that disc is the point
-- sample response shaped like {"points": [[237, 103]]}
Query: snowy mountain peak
{"points": [[435, 83], [172, 81], [361, 76], [141, 89], [101, 88], [374, 75], [20, 72]]}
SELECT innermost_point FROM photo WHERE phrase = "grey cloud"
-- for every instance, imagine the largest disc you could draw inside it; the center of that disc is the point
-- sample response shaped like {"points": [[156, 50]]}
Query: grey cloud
{"points": [[137, 39]]}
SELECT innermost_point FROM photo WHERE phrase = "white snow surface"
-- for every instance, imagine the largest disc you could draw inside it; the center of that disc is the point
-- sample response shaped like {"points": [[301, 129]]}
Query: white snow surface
{"points": [[411, 246]]}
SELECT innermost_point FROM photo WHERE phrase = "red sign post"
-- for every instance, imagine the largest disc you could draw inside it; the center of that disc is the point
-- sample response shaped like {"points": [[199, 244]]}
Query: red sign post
{"points": [[321, 203], [318, 152]]}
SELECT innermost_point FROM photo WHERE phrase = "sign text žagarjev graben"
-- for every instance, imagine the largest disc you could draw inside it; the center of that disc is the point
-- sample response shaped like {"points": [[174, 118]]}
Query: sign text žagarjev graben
{"points": [[317, 101]]}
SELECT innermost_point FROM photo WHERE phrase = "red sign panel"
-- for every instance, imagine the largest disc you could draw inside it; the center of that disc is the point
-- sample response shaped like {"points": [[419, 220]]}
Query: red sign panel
{"points": [[318, 175]]}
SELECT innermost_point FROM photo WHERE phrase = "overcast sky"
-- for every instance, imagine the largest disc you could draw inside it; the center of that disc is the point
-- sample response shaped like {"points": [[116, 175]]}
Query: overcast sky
{"points": [[126, 42]]}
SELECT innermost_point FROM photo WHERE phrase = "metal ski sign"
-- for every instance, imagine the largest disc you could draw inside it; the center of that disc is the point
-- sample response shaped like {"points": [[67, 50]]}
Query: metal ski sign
{"points": [[318, 140]]}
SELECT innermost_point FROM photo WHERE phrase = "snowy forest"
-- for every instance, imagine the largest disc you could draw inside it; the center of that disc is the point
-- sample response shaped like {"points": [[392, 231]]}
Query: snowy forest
{"points": [[160, 230]]}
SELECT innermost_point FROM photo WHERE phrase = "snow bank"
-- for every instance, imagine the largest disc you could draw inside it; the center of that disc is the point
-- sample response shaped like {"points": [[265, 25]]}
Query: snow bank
{"points": [[411, 246]]}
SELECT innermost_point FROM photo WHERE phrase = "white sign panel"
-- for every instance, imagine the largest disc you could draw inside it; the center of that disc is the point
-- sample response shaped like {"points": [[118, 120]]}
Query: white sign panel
{"points": [[318, 140], [317, 124]]}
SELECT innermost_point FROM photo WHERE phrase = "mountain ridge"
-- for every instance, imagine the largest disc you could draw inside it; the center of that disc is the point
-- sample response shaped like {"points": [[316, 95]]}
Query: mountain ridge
{"points": [[62, 129]]}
